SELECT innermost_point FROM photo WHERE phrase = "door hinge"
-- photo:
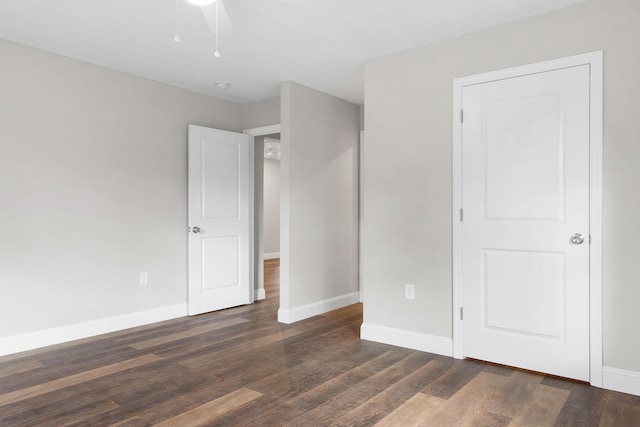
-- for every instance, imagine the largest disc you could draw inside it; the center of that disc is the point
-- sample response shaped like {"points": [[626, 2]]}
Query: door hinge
{"points": [[461, 313], [589, 238], [461, 215], [461, 116]]}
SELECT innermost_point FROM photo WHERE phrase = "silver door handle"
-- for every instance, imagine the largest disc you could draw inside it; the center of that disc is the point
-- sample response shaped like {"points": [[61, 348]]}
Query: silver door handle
{"points": [[577, 239], [195, 229]]}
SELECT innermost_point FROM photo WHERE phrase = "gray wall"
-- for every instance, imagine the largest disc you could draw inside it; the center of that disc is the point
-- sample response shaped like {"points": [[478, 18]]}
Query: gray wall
{"points": [[319, 199], [407, 171], [93, 189], [271, 206], [261, 113]]}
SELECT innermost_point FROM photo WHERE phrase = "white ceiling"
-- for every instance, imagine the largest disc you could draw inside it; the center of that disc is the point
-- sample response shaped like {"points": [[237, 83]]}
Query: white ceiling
{"points": [[318, 43]]}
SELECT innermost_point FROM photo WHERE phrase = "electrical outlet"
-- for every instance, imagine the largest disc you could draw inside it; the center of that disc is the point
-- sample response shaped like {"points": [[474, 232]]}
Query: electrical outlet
{"points": [[144, 278], [409, 291]]}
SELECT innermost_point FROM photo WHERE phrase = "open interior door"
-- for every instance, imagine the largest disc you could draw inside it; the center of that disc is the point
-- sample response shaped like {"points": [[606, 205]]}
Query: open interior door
{"points": [[219, 220]]}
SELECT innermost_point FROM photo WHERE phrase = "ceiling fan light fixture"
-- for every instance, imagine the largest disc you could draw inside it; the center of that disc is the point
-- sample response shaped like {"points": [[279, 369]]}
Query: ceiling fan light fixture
{"points": [[201, 2]]}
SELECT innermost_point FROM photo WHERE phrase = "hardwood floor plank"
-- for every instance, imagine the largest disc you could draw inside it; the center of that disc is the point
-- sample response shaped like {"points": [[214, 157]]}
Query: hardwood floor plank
{"points": [[284, 359], [469, 405], [77, 363], [489, 419], [619, 414], [296, 380], [544, 408], [209, 411], [15, 419], [177, 401], [584, 406], [62, 399], [64, 407], [344, 312], [18, 368], [206, 343], [55, 349], [451, 382], [154, 330], [132, 422], [263, 412], [159, 386], [329, 389], [260, 363], [79, 352], [516, 395], [331, 410], [69, 417], [414, 412], [209, 343], [59, 383], [111, 418], [380, 405], [140, 333], [22, 380], [187, 334], [245, 346]]}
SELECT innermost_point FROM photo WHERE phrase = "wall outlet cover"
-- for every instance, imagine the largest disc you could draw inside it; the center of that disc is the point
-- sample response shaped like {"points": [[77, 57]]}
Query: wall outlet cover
{"points": [[409, 291]]}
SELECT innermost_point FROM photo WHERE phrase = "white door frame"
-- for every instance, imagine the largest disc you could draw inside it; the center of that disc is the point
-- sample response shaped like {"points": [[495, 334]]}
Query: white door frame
{"points": [[257, 263], [595, 61], [360, 212]]}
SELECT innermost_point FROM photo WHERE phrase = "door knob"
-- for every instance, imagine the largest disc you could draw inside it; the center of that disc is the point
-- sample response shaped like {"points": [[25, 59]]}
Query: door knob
{"points": [[195, 229], [577, 239]]}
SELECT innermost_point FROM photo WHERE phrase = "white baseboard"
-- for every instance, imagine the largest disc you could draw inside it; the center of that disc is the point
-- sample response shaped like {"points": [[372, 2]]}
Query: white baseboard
{"points": [[273, 255], [316, 308], [621, 380], [407, 339], [31, 340], [259, 294]]}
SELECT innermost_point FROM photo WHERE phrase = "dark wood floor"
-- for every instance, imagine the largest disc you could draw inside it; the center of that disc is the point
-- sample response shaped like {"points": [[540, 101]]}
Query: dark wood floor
{"points": [[239, 367]]}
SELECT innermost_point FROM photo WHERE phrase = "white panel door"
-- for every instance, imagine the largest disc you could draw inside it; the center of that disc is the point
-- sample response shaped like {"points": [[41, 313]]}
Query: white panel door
{"points": [[525, 195], [219, 220]]}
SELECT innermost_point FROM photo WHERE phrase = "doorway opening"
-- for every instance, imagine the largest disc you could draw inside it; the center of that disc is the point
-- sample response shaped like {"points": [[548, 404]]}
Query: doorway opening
{"points": [[266, 206]]}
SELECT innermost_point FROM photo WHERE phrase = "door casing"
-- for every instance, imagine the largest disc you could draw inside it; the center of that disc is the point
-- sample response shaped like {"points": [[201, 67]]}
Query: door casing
{"points": [[256, 236], [595, 61]]}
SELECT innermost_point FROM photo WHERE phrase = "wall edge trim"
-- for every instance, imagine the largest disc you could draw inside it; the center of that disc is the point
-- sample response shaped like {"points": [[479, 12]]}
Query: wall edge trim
{"points": [[407, 339], [272, 255], [260, 294], [62, 334], [621, 380], [309, 310]]}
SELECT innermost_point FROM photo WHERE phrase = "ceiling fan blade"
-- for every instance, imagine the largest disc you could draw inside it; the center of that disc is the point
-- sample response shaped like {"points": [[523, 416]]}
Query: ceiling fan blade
{"points": [[224, 23]]}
